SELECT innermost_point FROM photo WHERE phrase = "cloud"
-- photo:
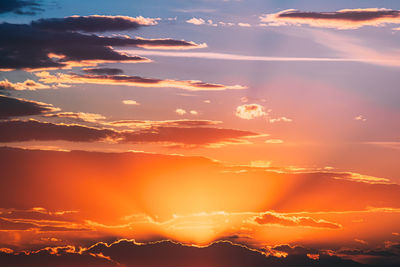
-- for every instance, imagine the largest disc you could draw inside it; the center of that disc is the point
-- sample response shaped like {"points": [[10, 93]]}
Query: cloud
{"points": [[190, 136], [15, 107], [196, 21], [342, 19], [360, 118], [355, 49], [241, 24], [149, 123], [276, 218], [280, 119], [136, 81], [27, 47], [274, 141], [180, 111], [225, 56], [130, 102], [20, 7], [250, 111], [59, 256], [130, 253], [26, 85], [93, 23], [17, 131], [80, 116], [103, 71]]}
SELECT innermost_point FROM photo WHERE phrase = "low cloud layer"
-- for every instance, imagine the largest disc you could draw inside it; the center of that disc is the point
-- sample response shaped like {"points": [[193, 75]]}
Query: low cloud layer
{"points": [[15, 107], [17, 131], [129, 253], [341, 19]]}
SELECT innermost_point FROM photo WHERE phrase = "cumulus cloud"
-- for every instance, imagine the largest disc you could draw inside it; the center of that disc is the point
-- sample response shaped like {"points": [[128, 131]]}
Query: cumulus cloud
{"points": [[180, 111], [250, 111], [93, 23], [28, 47], [136, 81], [341, 19], [200, 21], [26, 85], [280, 219], [15, 107]]}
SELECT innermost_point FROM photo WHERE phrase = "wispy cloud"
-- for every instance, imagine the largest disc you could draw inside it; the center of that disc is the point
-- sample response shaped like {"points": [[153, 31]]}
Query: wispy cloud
{"points": [[226, 56]]}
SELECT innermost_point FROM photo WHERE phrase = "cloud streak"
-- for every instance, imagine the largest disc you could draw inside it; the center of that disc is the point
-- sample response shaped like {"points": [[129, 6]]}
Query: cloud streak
{"points": [[136, 81], [342, 19], [93, 23]]}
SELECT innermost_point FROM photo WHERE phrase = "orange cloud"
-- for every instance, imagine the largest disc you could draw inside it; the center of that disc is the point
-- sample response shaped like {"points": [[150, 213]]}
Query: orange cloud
{"points": [[276, 218], [341, 19], [80, 116], [131, 102], [26, 85], [190, 85]]}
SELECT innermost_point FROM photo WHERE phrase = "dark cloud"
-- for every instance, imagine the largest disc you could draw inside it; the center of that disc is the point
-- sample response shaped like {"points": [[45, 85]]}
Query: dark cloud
{"points": [[347, 15], [103, 71], [21, 7], [13, 107], [341, 19], [165, 253], [15, 131], [26, 47], [94, 23], [387, 254], [188, 136], [47, 258]]}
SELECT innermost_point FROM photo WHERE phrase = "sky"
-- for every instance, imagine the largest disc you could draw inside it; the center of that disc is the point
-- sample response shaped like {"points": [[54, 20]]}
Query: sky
{"points": [[201, 133]]}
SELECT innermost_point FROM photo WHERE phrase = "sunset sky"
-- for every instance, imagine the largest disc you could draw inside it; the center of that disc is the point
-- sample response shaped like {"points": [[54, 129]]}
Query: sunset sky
{"points": [[199, 133]]}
